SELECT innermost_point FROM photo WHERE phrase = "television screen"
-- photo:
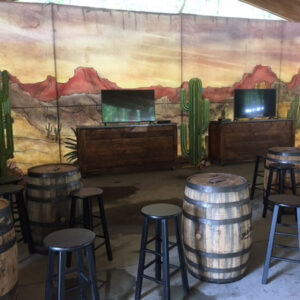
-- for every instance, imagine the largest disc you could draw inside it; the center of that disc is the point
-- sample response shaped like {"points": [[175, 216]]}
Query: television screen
{"points": [[128, 106], [255, 103]]}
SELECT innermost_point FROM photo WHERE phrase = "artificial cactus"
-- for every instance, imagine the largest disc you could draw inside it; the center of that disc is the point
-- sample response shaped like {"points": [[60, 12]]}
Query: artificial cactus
{"points": [[294, 111], [6, 131], [199, 113]]}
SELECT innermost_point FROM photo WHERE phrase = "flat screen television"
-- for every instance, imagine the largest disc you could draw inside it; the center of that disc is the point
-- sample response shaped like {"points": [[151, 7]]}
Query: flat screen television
{"points": [[128, 106], [254, 103]]}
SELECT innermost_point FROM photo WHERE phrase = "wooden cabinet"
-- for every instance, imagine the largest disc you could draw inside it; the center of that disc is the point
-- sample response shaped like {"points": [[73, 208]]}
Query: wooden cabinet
{"points": [[240, 141], [126, 148]]}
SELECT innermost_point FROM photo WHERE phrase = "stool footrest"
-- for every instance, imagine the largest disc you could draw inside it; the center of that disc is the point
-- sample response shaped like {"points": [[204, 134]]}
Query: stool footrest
{"points": [[149, 264], [285, 259], [98, 246], [285, 233], [153, 279], [285, 246], [287, 225], [153, 252], [173, 245], [151, 240]]}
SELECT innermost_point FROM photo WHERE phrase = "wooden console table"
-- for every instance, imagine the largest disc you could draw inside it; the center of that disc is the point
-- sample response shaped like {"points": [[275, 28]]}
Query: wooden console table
{"points": [[126, 148], [240, 141]]}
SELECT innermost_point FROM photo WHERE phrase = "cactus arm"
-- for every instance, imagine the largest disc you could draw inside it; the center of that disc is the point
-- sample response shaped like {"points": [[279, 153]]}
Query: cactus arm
{"points": [[183, 137], [183, 101]]}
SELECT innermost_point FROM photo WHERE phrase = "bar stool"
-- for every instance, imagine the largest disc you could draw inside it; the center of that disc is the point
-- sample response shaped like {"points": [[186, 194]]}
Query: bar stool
{"points": [[14, 193], [60, 242], [279, 201], [86, 195], [258, 173], [161, 214], [281, 169]]}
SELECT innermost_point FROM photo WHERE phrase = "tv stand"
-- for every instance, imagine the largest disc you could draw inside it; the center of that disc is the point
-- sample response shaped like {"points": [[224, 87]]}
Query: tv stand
{"points": [[114, 149], [241, 141]]}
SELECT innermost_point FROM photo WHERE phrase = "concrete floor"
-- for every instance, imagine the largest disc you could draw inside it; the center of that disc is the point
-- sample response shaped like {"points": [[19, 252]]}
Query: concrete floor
{"points": [[124, 195]]}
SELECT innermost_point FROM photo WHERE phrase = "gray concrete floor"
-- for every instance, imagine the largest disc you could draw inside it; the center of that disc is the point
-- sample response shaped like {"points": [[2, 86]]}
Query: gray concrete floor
{"points": [[124, 195]]}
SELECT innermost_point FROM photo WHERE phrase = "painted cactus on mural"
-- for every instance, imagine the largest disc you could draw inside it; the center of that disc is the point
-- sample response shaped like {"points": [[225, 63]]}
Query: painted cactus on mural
{"points": [[199, 112], [294, 111], [6, 131]]}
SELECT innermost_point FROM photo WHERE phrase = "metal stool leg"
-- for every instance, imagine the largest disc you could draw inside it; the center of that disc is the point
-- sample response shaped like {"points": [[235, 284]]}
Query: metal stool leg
{"points": [[181, 257], [61, 275], [254, 178], [270, 245], [92, 272], [158, 250], [166, 278], [104, 227], [267, 194], [80, 271], [293, 181], [49, 279], [140, 273], [73, 212]]}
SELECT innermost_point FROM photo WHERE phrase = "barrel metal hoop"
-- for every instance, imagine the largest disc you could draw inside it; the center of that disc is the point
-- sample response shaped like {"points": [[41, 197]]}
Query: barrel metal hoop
{"points": [[219, 189], [6, 211], [284, 153], [214, 270], [283, 161], [216, 205], [7, 246], [6, 228], [53, 187], [31, 173], [216, 255], [217, 222], [212, 280]]}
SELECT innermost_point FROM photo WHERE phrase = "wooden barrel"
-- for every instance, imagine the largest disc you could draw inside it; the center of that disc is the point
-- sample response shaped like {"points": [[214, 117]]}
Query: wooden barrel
{"points": [[289, 155], [8, 252], [216, 226], [48, 200]]}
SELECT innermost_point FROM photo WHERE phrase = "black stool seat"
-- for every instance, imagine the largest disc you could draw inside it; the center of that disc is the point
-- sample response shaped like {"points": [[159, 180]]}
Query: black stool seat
{"points": [[10, 179], [14, 193], [86, 192], [280, 201], [75, 240], [69, 239], [285, 200], [161, 211]]}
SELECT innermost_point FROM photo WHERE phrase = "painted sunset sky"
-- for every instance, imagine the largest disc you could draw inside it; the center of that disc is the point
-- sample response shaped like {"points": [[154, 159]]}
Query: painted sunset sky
{"points": [[139, 49]]}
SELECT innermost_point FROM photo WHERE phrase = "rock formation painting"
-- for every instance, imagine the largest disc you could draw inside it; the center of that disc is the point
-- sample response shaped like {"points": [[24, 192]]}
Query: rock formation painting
{"points": [[60, 59]]}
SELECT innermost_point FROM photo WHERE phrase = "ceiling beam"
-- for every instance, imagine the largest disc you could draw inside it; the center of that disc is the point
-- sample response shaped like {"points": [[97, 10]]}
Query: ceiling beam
{"points": [[289, 10]]}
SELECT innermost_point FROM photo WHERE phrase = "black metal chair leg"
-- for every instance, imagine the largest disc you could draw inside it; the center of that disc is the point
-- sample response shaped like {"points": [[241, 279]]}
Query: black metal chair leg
{"points": [[140, 273], [181, 257], [61, 275], [267, 194], [49, 279], [80, 271], [92, 272], [254, 178], [166, 278], [293, 181], [158, 250], [270, 245], [104, 227]]}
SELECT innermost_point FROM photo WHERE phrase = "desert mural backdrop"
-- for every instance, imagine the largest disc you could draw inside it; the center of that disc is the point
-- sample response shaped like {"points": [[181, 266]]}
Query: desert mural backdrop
{"points": [[61, 57]]}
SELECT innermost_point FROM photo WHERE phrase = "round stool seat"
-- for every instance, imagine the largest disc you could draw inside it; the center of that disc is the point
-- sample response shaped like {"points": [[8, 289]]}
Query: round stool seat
{"points": [[11, 188], [161, 211], [69, 239], [285, 200], [86, 192], [10, 179], [282, 166]]}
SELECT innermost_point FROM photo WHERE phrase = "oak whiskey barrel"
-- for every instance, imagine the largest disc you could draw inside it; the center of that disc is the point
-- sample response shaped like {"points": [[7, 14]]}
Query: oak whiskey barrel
{"points": [[48, 200], [8, 252], [290, 155], [216, 226]]}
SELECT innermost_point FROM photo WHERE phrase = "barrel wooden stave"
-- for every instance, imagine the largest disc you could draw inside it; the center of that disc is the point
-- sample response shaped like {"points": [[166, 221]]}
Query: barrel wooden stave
{"points": [[217, 252], [8, 252], [283, 155], [48, 200]]}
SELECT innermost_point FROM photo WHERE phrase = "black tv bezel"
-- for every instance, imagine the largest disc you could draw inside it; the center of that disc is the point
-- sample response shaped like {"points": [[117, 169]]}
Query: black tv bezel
{"points": [[257, 117], [128, 90]]}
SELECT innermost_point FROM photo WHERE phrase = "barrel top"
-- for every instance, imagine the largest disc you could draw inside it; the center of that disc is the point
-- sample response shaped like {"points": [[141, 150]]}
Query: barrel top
{"points": [[52, 170], [216, 182], [284, 151]]}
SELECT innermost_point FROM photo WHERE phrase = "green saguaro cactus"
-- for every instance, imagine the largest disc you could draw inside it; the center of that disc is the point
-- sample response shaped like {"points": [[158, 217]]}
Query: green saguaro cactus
{"points": [[294, 111], [6, 131], [198, 111]]}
